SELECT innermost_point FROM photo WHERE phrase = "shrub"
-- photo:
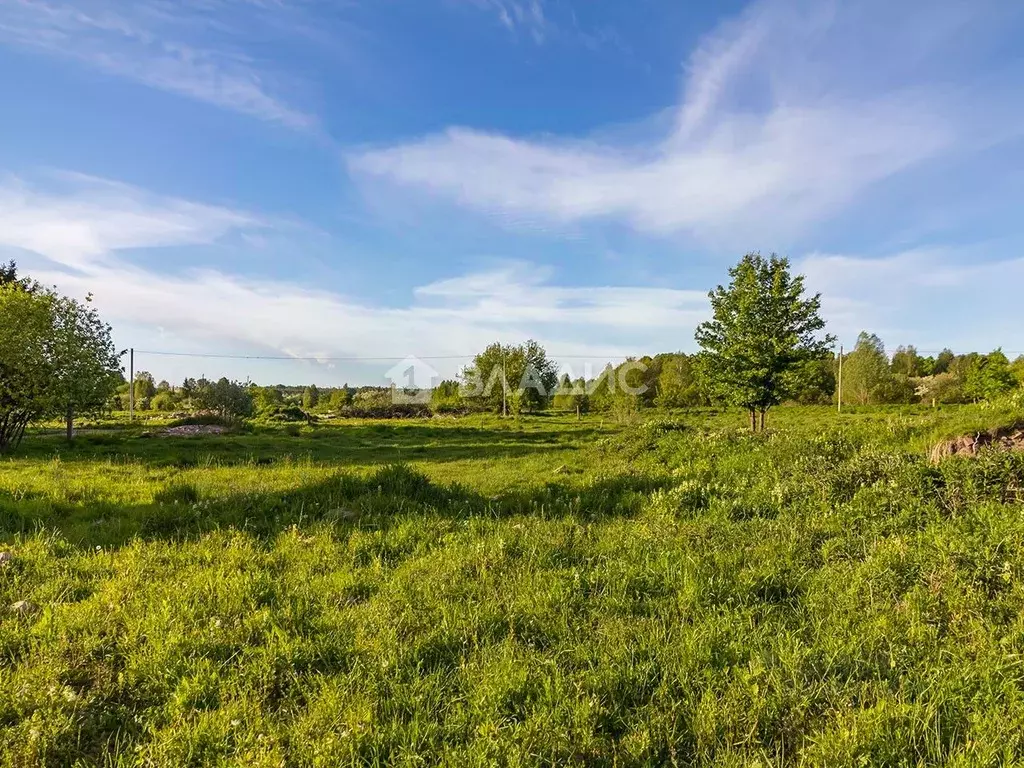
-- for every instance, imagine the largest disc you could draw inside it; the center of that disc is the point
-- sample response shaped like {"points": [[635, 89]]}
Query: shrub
{"points": [[162, 401], [209, 419], [285, 413], [386, 411]]}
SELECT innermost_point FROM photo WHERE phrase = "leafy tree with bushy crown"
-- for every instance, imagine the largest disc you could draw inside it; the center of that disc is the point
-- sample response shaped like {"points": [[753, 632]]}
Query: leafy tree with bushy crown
{"points": [[56, 358], [763, 330]]}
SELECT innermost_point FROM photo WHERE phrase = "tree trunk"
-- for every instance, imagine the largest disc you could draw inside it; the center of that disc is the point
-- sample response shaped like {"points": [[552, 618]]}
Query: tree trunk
{"points": [[753, 420], [71, 422], [763, 412], [12, 429]]}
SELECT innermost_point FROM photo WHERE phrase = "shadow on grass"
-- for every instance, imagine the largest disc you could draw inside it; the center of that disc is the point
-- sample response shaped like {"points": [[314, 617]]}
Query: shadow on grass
{"points": [[346, 501], [343, 444]]}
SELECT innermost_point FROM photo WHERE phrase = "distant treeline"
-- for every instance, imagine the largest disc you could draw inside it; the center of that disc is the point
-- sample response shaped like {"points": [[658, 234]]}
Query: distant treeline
{"points": [[669, 381]]}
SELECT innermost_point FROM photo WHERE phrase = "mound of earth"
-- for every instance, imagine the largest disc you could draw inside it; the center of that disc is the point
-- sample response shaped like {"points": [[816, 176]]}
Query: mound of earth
{"points": [[188, 430], [1008, 438]]}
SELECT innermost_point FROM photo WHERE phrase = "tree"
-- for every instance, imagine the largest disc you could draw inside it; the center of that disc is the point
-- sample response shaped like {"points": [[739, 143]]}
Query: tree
{"points": [[906, 362], [446, 397], [940, 388], [762, 331], [571, 396], [163, 401], [815, 382], [894, 389], [678, 384], [865, 369], [1017, 369], [86, 366], [340, 398], [227, 398], [9, 273], [25, 363], [942, 362], [988, 376], [267, 398], [513, 378], [144, 388], [9, 276], [56, 357], [310, 397]]}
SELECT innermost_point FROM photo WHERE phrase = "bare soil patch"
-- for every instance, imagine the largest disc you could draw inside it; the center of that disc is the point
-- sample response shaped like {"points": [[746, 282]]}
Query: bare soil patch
{"points": [[191, 430], [1008, 438]]}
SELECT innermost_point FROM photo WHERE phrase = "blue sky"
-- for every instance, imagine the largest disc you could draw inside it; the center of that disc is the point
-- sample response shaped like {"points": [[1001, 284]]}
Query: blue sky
{"points": [[356, 179]]}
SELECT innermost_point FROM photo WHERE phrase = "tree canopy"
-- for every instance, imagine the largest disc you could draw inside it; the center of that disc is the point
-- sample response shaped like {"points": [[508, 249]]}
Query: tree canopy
{"points": [[762, 332], [516, 377], [56, 358]]}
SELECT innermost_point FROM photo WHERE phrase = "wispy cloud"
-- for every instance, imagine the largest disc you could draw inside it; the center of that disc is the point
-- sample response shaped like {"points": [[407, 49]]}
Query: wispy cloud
{"points": [[79, 220], [519, 16], [85, 225], [147, 42], [89, 231], [936, 297], [789, 112]]}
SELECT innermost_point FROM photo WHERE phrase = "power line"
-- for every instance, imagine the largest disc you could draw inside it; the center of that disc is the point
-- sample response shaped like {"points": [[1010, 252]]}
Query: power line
{"points": [[385, 358]]}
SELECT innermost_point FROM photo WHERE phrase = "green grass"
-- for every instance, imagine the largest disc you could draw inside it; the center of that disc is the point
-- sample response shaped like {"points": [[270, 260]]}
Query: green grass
{"points": [[536, 592]]}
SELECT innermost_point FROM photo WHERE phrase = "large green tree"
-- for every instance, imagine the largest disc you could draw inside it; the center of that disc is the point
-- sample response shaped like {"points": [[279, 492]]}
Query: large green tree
{"points": [[906, 362], [25, 362], [1017, 369], [144, 388], [310, 397], [511, 378], [86, 366], [56, 358], [763, 330], [678, 383], [988, 376], [942, 362], [865, 370], [225, 397]]}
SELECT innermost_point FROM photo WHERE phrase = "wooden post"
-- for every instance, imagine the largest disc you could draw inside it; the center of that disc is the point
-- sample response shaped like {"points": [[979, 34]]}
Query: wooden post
{"points": [[839, 399], [504, 388], [131, 384]]}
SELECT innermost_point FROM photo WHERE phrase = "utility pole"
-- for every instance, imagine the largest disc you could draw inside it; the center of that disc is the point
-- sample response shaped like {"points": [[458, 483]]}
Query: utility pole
{"points": [[839, 400], [131, 384], [504, 387]]}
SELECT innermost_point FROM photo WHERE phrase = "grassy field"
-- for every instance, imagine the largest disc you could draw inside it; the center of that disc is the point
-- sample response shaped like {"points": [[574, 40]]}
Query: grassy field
{"points": [[538, 592]]}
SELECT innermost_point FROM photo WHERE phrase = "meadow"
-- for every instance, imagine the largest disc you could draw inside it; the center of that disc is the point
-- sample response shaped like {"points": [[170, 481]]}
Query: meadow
{"points": [[534, 591]]}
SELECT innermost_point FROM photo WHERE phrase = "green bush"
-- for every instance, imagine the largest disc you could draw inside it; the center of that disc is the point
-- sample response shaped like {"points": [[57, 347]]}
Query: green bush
{"points": [[285, 413]]}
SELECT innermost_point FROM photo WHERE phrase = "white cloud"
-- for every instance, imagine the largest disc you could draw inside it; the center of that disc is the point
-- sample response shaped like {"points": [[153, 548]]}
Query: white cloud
{"points": [[87, 223], [139, 41], [931, 297], [82, 219], [787, 117], [517, 15], [210, 307]]}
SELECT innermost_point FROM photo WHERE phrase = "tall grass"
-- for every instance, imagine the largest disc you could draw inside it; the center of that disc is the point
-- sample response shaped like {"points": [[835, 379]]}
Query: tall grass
{"points": [[550, 592]]}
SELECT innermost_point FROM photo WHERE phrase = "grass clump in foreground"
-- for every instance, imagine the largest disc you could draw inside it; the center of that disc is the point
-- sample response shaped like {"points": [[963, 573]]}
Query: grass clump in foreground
{"points": [[542, 592]]}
